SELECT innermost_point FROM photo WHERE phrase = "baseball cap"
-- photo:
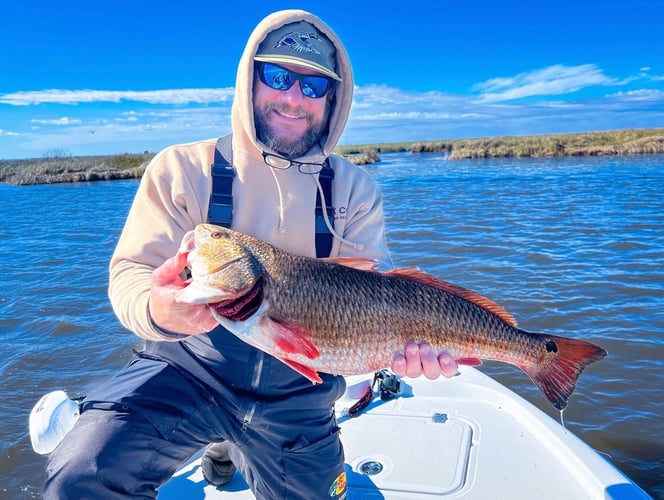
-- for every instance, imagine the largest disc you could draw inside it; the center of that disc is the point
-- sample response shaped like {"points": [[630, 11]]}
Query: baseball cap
{"points": [[299, 44]]}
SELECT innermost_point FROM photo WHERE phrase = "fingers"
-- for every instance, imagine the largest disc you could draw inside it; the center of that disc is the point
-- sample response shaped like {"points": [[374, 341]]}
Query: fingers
{"points": [[419, 359], [413, 362], [430, 366], [169, 272], [165, 311], [399, 365], [448, 367]]}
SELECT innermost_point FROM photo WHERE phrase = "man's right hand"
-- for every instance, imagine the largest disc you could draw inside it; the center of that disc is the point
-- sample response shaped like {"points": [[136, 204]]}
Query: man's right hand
{"points": [[172, 316], [419, 359]]}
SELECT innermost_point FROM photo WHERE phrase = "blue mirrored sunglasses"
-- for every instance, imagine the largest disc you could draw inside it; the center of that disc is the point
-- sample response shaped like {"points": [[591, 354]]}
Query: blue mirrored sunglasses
{"points": [[280, 78]]}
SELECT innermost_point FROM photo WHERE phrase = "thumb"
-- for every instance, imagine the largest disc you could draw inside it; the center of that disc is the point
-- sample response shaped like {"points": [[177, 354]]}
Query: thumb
{"points": [[169, 272]]}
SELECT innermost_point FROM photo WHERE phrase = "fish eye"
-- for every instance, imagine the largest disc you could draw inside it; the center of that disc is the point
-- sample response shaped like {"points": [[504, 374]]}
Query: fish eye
{"points": [[216, 235]]}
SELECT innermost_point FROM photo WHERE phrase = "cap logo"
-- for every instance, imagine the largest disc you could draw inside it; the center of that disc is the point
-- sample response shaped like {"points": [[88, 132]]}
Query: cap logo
{"points": [[298, 41]]}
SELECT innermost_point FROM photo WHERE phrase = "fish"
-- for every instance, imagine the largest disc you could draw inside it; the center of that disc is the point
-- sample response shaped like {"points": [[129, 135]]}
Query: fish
{"points": [[342, 316]]}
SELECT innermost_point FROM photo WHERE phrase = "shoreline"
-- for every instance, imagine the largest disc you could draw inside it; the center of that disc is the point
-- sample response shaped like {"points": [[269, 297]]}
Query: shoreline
{"points": [[51, 170]]}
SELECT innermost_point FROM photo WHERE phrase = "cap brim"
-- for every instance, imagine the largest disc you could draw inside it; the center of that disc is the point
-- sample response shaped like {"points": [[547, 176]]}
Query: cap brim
{"points": [[296, 61]]}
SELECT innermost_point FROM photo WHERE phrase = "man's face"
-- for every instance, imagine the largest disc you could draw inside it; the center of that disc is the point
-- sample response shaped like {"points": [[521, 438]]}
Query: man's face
{"points": [[287, 121]]}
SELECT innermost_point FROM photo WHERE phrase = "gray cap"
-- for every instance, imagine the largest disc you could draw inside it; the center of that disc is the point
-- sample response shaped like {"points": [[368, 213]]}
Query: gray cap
{"points": [[302, 45]]}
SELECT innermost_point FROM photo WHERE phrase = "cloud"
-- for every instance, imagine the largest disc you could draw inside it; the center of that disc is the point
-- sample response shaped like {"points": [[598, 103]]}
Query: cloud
{"points": [[151, 120], [383, 114], [649, 95], [150, 130], [173, 96], [554, 80], [59, 121]]}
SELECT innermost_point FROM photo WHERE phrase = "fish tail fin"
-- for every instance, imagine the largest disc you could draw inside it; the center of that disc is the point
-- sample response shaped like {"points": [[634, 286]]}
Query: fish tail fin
{"points": [[556, 374]]}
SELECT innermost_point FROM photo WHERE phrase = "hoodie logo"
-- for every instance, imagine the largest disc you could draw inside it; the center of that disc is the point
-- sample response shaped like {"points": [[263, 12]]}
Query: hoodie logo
{"points": [[298, 41]]}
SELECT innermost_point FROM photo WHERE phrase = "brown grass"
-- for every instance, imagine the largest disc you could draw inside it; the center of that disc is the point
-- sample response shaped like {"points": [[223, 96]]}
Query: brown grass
{"points": [[53, 169]]}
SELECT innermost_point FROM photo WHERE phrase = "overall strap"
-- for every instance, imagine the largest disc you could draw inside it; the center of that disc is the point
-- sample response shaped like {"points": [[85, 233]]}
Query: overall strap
{"points": [[324, 237], [220, 211]]}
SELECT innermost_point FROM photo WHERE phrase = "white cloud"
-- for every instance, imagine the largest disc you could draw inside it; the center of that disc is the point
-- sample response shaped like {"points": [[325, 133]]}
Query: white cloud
{"points": [[383, 95], [392, 115], [59, 121], [554, 80], [640, 95], [172, 96], [151, 120]]}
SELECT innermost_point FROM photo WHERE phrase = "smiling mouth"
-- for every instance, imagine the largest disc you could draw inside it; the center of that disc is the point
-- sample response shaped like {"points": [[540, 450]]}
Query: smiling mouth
{"points": [[289, 116], [292, 113]]}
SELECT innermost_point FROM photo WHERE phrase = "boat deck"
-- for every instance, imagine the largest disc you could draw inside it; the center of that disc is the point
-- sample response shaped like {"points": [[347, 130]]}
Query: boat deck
{"points": [[467, 437]]}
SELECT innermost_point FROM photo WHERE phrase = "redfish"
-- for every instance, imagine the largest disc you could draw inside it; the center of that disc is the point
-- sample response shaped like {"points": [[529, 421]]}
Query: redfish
{"points": [[343, 317]]}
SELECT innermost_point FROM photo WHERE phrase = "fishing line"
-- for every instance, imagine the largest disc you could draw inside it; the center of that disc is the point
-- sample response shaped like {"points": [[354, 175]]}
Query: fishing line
{"points": [[562, 420]]}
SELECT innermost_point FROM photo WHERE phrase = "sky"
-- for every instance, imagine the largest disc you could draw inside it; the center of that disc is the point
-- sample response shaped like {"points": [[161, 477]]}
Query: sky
{"points": [[92, 78]]}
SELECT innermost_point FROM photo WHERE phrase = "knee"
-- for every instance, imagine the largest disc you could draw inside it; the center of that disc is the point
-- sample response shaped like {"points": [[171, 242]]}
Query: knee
{"points": [[70, 473], [89, 462]]}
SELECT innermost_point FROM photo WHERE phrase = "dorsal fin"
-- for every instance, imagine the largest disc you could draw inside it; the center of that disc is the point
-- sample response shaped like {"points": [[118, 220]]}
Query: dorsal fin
{"points": [[474, 297], [360, 263]]}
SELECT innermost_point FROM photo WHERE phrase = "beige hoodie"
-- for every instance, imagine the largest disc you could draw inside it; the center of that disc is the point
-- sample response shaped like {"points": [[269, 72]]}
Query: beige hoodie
{"points": [[274, 205]]}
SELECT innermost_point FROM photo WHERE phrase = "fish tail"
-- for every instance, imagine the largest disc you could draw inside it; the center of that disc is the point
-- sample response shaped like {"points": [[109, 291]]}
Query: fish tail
{"points": [[557, 373]]}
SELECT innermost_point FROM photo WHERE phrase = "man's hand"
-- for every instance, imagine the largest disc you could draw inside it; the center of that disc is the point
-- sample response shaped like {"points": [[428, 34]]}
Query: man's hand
{"points": [[172, 316], [419, 359]]}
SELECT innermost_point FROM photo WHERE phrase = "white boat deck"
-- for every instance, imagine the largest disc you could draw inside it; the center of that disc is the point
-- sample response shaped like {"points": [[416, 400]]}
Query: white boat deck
{"points": [[462, 438]]}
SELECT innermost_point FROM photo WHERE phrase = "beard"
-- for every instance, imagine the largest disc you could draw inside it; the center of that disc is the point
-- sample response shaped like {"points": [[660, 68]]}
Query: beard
{"points": [[288, 148]]}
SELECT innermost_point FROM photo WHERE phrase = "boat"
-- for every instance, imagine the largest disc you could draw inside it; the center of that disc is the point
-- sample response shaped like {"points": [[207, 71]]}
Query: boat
{"points": [[477, 440]]}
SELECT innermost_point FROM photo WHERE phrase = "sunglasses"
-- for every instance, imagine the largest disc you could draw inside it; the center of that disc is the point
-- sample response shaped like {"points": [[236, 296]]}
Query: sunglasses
{"points": [[279, 78]]}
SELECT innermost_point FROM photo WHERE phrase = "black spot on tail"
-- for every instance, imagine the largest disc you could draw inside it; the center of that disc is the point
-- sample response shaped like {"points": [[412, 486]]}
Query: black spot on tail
{"points": [[556, 376]]}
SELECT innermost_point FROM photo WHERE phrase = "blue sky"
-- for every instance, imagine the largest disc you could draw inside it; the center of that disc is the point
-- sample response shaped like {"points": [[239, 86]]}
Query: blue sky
{"points": [[129, 76]]}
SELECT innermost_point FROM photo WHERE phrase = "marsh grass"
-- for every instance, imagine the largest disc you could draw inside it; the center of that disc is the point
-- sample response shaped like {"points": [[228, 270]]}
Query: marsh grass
{"points": [[52, 170], [64, 168], [642, 141]]}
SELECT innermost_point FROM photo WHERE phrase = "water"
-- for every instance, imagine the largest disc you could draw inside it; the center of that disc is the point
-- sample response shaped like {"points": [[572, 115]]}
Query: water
{"points": [[570, 246]]}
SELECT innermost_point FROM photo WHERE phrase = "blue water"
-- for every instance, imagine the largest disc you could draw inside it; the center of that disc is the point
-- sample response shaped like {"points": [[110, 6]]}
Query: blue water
{"points": [[571, 246]]}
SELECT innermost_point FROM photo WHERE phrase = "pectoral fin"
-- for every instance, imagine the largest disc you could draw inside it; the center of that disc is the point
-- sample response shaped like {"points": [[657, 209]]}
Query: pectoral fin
{"points": [[288, 339]]}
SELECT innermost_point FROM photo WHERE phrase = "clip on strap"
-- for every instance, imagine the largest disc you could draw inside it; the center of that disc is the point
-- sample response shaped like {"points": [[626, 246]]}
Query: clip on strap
{"points": [[220, 211]]}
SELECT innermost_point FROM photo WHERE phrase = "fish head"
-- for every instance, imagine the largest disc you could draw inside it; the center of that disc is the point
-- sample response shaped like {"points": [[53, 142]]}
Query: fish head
{"points": [[222, 265]]}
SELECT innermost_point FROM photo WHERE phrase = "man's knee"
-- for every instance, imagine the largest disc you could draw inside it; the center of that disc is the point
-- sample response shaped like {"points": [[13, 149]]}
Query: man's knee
{"points": [[103, 456]]}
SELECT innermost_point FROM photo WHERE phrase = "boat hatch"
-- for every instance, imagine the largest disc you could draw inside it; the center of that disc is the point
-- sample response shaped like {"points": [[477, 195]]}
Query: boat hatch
{"points": [[389, 464]]}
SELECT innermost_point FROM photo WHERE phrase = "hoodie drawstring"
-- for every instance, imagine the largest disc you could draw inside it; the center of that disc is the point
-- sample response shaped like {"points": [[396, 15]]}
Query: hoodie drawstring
{"points": [[356, 246], [282, 223]]}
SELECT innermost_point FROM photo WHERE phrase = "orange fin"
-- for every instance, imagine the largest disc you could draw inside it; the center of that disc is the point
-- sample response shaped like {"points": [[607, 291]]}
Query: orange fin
{"points": [[305, 371], [469, 361], [564, 360], [289, 340], [474, 297], [360, 263]]}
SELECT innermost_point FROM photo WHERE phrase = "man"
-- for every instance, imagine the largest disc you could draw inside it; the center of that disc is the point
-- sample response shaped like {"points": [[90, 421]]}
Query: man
{"points": [[195, 383]]}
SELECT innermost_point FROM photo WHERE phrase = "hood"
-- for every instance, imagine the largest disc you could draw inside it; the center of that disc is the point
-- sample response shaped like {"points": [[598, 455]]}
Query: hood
{"points": [[242, 115]]}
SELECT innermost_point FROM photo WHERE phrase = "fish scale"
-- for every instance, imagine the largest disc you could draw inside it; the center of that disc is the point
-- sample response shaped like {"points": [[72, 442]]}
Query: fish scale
{"points": [[340, 316]]}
